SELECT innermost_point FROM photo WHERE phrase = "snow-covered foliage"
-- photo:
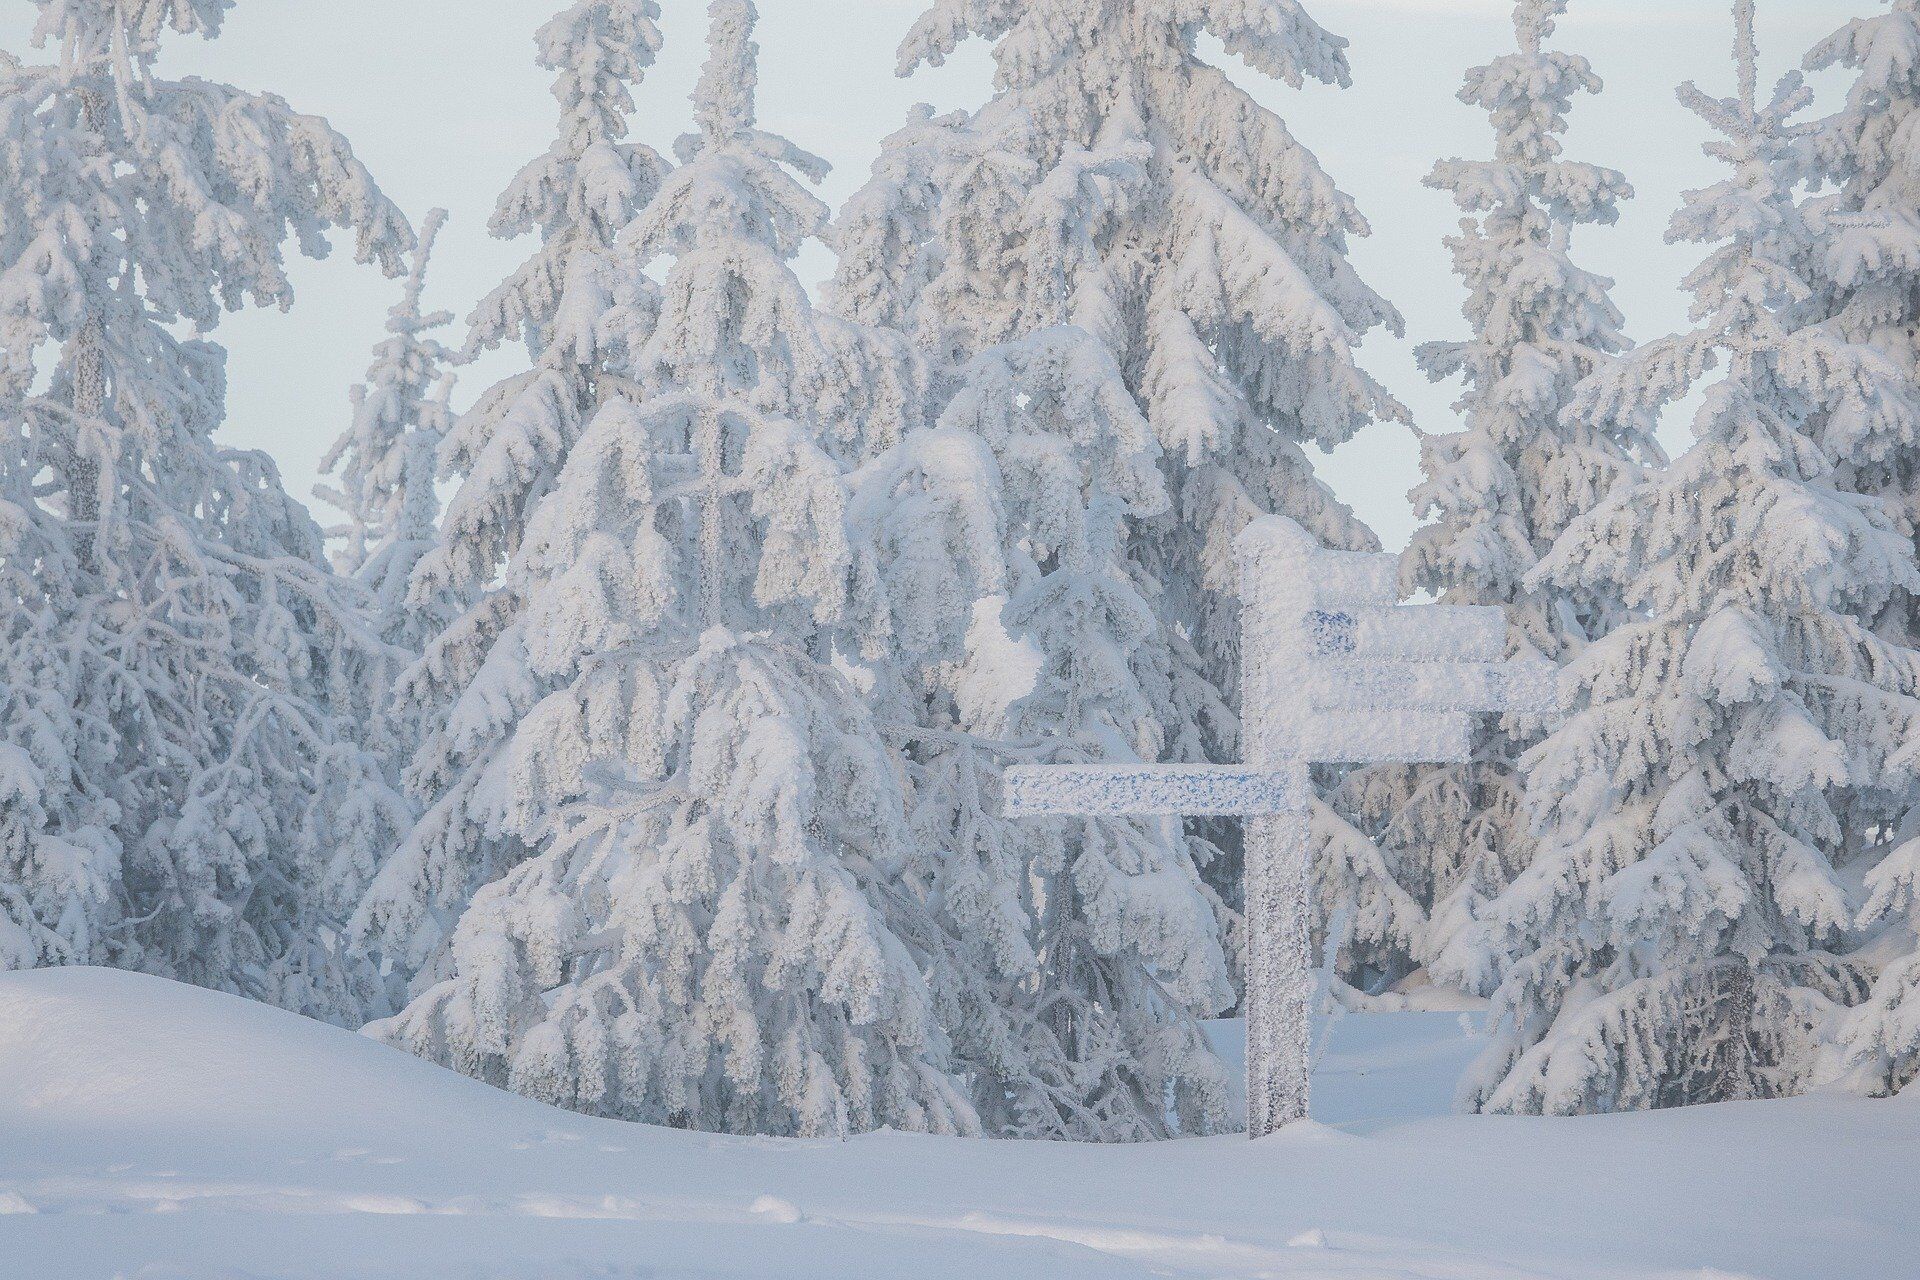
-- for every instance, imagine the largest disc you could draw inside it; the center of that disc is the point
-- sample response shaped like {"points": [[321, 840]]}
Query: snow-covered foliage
{"points": [[1120, 184], [580, 316], [385, 464], [1867, 268], [1499, 491], [716, 930], [1083, 946], [1674, 940], [171, 643]]}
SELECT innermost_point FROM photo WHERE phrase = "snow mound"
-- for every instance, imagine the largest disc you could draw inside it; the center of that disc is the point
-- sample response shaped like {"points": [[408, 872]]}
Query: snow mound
{"points": [[156, 1132], [101, 1049]]}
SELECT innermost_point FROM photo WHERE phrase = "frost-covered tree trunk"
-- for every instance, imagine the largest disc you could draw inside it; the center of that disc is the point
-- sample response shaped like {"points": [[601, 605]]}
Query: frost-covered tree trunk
{"points": [[1500, 490], [579, 316], [1868, 280], [170, 638], [716, 927], [1120, 184], [1673, 941]]}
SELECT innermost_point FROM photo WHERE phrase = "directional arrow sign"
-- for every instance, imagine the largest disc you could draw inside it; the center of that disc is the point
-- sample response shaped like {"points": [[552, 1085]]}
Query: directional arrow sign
{"points": [[1332, 672], [1150, 791], [1411, 633], [1353, 684]]}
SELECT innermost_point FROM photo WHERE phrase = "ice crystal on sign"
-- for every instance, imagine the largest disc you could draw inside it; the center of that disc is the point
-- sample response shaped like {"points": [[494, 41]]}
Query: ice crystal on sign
{"points": [[1150, 790]]}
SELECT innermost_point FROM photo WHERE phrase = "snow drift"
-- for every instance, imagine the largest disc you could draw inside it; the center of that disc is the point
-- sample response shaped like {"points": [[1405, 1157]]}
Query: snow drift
{"points": [[157, 1131]]}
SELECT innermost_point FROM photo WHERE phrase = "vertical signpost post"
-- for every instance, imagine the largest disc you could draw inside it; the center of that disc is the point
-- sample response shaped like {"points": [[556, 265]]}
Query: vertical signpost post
{"points": [[1335, 671]]}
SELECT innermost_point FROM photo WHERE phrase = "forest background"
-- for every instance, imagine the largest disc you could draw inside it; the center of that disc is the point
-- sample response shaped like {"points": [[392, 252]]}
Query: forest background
{"points": [[443, 104]]}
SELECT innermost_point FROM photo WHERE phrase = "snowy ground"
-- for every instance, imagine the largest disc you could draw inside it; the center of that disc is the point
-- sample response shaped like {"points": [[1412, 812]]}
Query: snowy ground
{"points": [[154, 1131]]}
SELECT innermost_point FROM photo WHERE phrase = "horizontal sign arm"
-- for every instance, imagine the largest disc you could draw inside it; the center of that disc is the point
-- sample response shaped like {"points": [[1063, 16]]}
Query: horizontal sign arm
{"points": [[1409, 633], [1355, 684], [1152, 790]]}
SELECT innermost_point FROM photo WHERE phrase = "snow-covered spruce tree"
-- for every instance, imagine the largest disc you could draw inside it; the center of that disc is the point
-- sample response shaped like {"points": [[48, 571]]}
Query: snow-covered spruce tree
{"points": [[1880, 1040], [1119, 183], [385, 464], [169, 633], [1868, 267], [1500, 490], [1079, 947], [706, 935], [578, 316], [1671, 942]]}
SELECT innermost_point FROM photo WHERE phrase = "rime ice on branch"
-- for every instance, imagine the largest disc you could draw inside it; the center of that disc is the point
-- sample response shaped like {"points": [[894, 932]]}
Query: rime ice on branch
{"points": [[172, 644]]}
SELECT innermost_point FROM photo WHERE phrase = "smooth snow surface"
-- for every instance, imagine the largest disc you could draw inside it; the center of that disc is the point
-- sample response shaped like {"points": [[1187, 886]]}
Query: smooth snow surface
{"points": [[157, 1131]]}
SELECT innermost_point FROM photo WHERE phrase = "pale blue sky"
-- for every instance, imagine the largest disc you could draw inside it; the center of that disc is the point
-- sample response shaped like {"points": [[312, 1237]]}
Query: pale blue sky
{"points": [[443, 102]]}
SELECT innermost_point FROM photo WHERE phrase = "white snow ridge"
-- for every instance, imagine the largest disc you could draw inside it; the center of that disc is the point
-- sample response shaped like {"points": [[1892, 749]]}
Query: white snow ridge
{"points": [[158, 1131]]}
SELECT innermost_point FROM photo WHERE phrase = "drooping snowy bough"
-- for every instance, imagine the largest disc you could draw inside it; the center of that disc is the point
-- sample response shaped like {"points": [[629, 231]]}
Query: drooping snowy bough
{"points": [[716, 929], [1680, 936], [1868, 291], [171, 645]]}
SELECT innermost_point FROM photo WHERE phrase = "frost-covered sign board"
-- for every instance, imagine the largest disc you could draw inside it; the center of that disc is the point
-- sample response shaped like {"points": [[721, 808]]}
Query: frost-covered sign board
{"points": [[1336, 671]]}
